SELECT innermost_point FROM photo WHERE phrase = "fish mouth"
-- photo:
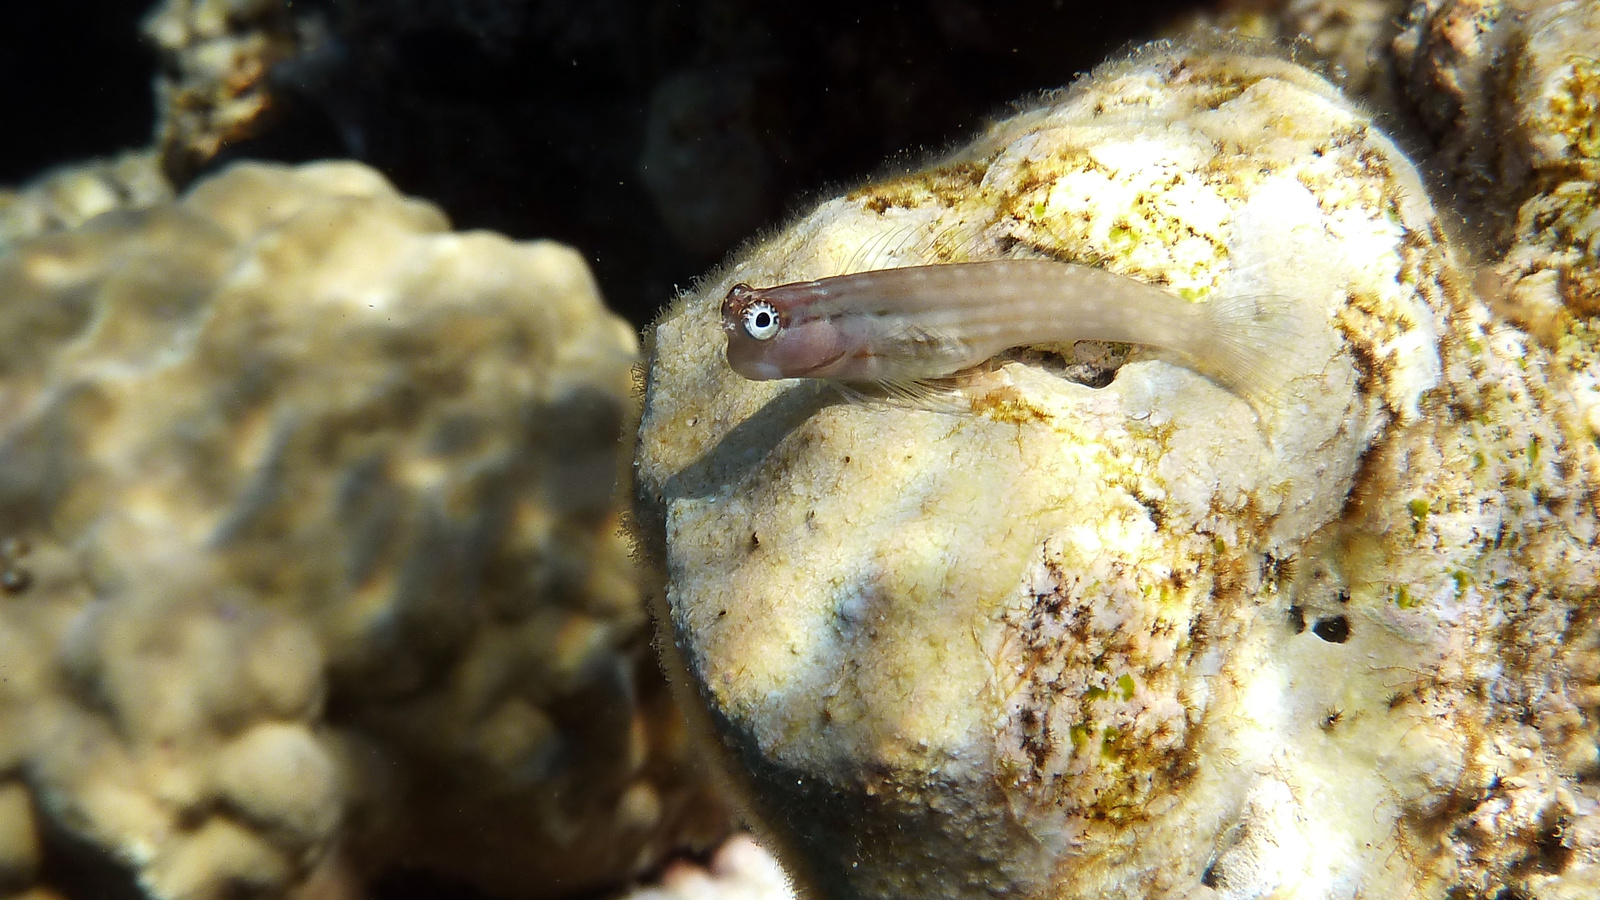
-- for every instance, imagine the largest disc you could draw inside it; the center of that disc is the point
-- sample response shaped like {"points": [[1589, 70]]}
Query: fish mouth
{"points": [[760, 371], [749, 366]]}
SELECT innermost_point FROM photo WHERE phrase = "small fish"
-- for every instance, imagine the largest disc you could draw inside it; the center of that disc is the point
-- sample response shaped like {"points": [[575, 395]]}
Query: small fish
{"points": [[900, 328]]}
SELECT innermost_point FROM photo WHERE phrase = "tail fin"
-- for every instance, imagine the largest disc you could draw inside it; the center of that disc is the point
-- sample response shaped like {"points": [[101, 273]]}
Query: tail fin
{"points": [[1258, 344]]}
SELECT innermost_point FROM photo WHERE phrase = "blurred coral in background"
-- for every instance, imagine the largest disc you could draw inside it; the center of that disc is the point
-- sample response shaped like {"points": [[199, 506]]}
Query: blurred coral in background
{"points": [[314, 553]]}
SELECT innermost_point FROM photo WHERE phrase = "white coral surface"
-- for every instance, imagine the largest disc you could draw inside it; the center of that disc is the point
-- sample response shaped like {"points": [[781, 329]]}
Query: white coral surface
{"points": [[740, 870]]}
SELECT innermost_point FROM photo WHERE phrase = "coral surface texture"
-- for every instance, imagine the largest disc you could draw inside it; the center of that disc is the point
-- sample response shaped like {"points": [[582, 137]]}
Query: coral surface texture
{"points": [[1510, 92], [72, 194], [310, 558], [214, 86], [1095, 626]]}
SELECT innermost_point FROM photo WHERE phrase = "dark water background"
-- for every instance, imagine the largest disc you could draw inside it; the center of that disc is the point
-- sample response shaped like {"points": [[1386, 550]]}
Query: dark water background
{"points": [[654, 136], [76, 83]]}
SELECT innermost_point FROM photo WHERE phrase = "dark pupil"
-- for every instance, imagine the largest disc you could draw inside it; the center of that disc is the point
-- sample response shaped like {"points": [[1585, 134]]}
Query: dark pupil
{"points": [[763, 319]]}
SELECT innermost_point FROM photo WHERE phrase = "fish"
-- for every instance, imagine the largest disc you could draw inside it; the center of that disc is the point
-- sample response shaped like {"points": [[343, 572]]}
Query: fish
{"points": [[901, 328]]}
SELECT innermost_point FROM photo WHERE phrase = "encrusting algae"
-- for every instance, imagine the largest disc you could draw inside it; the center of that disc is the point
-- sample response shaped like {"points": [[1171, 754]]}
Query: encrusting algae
{"points": [[1129, 639]]}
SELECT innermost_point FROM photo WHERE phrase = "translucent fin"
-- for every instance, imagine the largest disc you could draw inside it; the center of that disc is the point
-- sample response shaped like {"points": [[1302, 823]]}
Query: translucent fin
{"points": [[1258, 344], [916, 244], [892, 248], [940, 395], [924, 349], [875, 253], [960, 241]]}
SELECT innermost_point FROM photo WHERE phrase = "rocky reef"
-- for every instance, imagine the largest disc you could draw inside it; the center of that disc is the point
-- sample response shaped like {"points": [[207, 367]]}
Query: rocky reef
{"points": [[740, 870], [1510, 93], [310, 560], [1108, 630], [73, 194], [213, 88]]}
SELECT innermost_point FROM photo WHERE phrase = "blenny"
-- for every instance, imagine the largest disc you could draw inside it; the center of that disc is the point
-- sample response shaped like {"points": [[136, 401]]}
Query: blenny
{"points": [[903, 327]]}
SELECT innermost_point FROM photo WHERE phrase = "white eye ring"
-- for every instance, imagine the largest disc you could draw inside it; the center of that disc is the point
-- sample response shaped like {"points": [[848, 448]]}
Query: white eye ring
{"points": [[761, 320]]}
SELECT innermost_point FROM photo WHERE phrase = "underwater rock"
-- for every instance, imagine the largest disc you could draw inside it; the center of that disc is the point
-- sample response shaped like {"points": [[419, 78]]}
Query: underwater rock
{"points": [[19, 839], [739, 870], [71, 195], [310, 556], [213, 87], [1346, 36], [1142, 639], [1510, 91], [1348, 40]]}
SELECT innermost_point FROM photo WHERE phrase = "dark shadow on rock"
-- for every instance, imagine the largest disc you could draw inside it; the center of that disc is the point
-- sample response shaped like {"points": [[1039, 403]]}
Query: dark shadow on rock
{"points": [[748, 444]]}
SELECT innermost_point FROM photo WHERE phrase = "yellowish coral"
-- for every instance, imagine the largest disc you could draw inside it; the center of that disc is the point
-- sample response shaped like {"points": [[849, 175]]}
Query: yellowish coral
{"points": [[213, 89], [19, 838], [311, 558], [1341, 36], [1511, 89], [69, 196], [1136, 640]]}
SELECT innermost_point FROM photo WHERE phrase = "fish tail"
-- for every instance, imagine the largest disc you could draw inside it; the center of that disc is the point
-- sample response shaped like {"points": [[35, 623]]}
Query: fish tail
{"points": [[1256, 345]]}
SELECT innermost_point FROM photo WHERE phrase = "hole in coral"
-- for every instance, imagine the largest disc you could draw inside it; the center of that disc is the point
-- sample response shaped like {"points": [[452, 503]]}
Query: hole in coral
{"points": [[1297, 619], [1333, 629], [1553, 852], [1089, 363]]}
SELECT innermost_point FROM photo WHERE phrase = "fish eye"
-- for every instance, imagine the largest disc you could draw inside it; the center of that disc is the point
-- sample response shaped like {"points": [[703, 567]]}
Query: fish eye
{"points": [[761, 320]]}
